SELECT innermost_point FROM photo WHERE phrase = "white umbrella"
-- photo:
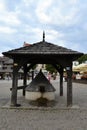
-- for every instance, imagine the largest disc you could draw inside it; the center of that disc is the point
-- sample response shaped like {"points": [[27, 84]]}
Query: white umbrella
{"points": [[75, 69], [80, 67]]}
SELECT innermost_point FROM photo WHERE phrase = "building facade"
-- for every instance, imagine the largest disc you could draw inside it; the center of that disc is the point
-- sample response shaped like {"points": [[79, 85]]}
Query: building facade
{"points": [[6, 67]]}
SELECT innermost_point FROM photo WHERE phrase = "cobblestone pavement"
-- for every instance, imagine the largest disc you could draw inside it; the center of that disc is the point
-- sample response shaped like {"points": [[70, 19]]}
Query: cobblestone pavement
{"points": [[14, 119], [53, 118], [79, 94]]}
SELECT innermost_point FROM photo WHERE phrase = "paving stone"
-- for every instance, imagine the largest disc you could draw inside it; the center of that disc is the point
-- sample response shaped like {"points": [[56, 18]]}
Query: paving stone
{"points": [[53, 118]]}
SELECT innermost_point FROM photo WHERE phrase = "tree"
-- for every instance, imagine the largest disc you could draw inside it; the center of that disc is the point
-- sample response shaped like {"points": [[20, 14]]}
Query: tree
{"points": [[50, 68], [82, 58]]}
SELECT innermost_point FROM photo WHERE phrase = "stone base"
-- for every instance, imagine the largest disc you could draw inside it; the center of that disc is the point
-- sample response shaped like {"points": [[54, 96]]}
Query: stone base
{"points": [[35, 95]]}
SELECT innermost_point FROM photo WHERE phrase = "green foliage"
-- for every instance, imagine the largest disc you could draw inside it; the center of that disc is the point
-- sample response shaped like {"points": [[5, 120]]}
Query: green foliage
{"points": [[50, 68], [82, 58], [34, 67]]}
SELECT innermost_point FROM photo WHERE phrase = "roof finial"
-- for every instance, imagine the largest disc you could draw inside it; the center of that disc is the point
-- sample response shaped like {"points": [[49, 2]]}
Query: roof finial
{"points": [[43, 36]]}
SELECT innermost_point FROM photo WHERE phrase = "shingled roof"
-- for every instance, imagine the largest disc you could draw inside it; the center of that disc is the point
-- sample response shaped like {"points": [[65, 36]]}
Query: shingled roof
{"points": [[40, 81], [44, 52], [42, 47]]}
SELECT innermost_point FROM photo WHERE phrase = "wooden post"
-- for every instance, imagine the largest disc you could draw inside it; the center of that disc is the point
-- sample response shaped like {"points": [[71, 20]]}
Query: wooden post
{"points": [[32, 74], [61, 83], [69, 85], [25, 79], [60, 70], [14, 85]]}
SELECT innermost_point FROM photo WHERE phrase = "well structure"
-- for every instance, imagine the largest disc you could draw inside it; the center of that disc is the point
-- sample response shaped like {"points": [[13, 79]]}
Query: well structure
{"points": [[42, 52]]}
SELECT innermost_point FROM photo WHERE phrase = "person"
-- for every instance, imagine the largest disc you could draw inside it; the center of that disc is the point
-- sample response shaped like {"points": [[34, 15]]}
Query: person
{"points": [[54, 76], [49, 77]]}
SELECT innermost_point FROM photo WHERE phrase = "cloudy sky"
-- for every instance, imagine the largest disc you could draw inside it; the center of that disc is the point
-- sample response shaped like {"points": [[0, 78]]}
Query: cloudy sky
{"points": [[64, 22]]}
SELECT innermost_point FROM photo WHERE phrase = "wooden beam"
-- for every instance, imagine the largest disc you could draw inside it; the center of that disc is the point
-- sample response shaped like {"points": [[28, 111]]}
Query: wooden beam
{"points": [[60, 70], [26, 69], [14, 86], [61, 83], [18, 88], [25, 79], [16, 67], [69, 85]]}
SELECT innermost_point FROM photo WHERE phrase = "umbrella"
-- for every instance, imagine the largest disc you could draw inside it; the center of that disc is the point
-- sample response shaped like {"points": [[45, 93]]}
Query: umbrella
{"points": [[80, 67], [75, 69]]}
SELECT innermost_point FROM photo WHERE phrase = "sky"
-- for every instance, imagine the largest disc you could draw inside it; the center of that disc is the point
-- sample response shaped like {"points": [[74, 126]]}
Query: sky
{"points": [[64, 23]]}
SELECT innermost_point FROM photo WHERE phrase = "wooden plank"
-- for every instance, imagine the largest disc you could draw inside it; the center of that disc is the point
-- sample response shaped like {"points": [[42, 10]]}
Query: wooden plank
{"points": [[18, 88], [25, 79], [60, 70], [69, 86], [14, 87], [61, 83]]}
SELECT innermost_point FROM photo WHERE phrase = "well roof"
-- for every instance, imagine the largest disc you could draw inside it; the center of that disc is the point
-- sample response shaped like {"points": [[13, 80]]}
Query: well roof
{"points": [[44, 52], [40, 81], [42, 47]]}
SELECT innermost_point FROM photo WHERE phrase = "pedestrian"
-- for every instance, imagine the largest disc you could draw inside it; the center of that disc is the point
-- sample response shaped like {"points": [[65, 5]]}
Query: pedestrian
{"points": [[49, 77]]}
